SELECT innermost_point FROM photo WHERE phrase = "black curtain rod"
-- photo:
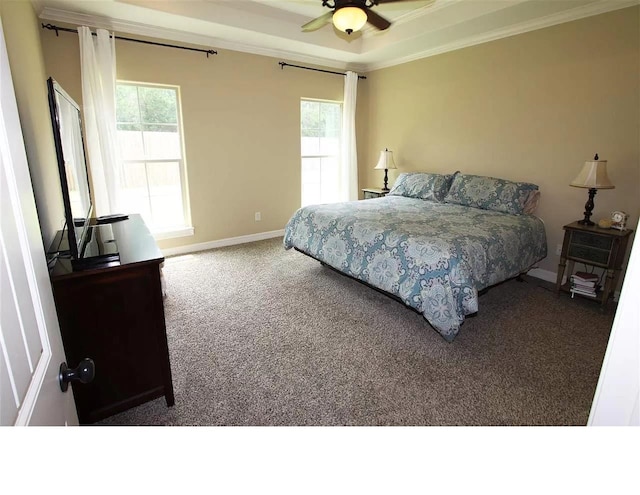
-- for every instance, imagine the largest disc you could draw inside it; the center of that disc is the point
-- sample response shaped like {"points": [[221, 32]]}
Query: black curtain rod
{"points": [[284, 64], [51, 27]]}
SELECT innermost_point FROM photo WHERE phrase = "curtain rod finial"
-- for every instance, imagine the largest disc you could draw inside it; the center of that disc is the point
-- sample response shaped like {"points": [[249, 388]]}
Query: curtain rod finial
{"points": [[51, 27]]}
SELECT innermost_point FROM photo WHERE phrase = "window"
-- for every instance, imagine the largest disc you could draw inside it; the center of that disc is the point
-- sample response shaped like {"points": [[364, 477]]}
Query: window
{"points": [[320, 123], [153, 179]]}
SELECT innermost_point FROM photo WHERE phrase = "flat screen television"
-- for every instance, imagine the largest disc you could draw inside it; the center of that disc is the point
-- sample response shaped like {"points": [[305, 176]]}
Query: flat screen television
{"points": [[88, 244]]}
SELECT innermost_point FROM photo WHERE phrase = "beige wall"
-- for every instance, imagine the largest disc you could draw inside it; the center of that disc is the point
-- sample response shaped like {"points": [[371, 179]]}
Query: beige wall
{"points": [[241, 118], [531, 108], [22, 36]]}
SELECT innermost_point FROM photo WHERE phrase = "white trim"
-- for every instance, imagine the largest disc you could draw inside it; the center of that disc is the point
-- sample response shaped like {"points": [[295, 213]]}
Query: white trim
{"points": [[13, 178], [368, 30], [172, 234], [231, 241], [58, 15], [591, 9], [601, 7], [31, 396], [617, 394], [550, 276], [14, 295], [540, 273], [169, 231], [543, 274]]}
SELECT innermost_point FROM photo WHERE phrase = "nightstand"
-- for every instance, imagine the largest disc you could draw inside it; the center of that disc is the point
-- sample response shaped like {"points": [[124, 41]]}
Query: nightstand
{"points": [[593, 246], [371, 193]]}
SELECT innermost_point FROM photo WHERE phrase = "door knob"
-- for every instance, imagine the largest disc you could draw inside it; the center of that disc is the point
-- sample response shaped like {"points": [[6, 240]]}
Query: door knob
{"points": [[83, 373]]}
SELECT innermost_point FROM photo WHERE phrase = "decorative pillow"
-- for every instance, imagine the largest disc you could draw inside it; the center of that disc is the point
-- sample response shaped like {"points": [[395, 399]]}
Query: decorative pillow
{"points": [[432, 187], [490, 193], [531, 204]]}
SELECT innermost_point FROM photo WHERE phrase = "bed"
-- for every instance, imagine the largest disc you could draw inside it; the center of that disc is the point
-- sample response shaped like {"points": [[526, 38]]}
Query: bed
{"points": [[433, 242]]}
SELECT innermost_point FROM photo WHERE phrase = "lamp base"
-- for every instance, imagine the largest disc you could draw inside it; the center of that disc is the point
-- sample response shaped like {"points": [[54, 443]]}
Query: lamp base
{"points": [[386, 181], [588, 223], [588, 208]]}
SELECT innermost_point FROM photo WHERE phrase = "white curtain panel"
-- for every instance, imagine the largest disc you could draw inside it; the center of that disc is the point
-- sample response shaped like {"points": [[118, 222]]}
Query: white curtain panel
{"points": [[349, 153], [98, 69]]}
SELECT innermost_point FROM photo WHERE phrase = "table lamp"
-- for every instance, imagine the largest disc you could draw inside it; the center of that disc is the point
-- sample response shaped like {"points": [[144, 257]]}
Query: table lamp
{"points": [[385, 162], [593, 176]]}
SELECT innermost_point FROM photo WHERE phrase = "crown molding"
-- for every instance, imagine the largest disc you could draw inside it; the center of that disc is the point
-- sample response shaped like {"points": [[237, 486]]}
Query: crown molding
{"points": [[596, 8], [412, 15], [119, 26], [37, 5], [76, 19], [429, 8]]}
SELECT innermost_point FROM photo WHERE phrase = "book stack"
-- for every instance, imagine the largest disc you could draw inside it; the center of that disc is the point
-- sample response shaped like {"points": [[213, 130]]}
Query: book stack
{"points": [[585, 284]]}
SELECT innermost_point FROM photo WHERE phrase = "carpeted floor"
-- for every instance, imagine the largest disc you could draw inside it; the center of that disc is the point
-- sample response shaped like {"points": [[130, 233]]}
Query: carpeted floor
{"points": [[263, 336]]}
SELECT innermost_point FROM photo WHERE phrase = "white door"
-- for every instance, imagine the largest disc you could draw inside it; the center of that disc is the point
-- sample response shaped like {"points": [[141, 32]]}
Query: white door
{"points": [[617, 398], [30, 343]]}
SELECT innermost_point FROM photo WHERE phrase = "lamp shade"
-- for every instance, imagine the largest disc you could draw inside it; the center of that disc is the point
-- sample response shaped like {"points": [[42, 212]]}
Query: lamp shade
{"points": [[349, 19], [385, 162], [593, 176]]}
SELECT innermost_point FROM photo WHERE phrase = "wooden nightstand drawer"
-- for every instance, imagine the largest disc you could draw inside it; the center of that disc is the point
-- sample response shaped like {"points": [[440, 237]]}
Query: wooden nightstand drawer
{"points": [[591, 240], [585, 253]]}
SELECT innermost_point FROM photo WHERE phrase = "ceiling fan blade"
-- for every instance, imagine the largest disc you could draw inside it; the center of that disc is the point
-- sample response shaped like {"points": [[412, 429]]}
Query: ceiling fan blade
{"points": [[378, 21], [318, 22]]}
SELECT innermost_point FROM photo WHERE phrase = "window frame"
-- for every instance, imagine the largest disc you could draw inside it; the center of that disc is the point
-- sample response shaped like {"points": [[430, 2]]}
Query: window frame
{"points": [[338, 157], [178, 230]]}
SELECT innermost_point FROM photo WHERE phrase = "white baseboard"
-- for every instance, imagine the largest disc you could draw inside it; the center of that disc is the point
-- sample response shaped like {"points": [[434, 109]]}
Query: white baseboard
{"points": [[540, 273], [203, 246], [543, 274], [551, 277]]}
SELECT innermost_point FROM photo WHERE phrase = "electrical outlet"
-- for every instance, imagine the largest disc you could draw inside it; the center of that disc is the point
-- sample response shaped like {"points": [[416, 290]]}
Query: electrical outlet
{"points": [[258, 216], [559, 249]]}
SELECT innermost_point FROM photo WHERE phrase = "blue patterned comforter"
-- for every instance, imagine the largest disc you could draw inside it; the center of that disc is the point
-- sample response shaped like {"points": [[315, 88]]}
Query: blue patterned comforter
{"points": [[434, 256]]}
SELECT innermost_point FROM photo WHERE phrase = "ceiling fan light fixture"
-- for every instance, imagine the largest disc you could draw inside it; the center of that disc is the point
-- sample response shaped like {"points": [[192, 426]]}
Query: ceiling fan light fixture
{"points": [[349, 19]]}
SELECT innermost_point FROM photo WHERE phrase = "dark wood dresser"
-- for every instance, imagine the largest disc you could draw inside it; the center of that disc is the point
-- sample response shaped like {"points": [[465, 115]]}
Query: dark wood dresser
{"points": [[115, 316]]}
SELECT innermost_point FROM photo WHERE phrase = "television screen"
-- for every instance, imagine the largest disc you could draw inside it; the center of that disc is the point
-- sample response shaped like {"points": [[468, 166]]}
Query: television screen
{"points": [[76, 195]]}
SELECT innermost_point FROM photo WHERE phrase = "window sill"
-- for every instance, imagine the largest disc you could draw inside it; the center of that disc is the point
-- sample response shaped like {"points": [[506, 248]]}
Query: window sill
{"points": [[172, 234]]}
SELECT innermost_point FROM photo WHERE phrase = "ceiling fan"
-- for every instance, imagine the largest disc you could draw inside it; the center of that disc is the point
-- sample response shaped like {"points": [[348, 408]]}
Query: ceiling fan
{"points": [[350, 15]]}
